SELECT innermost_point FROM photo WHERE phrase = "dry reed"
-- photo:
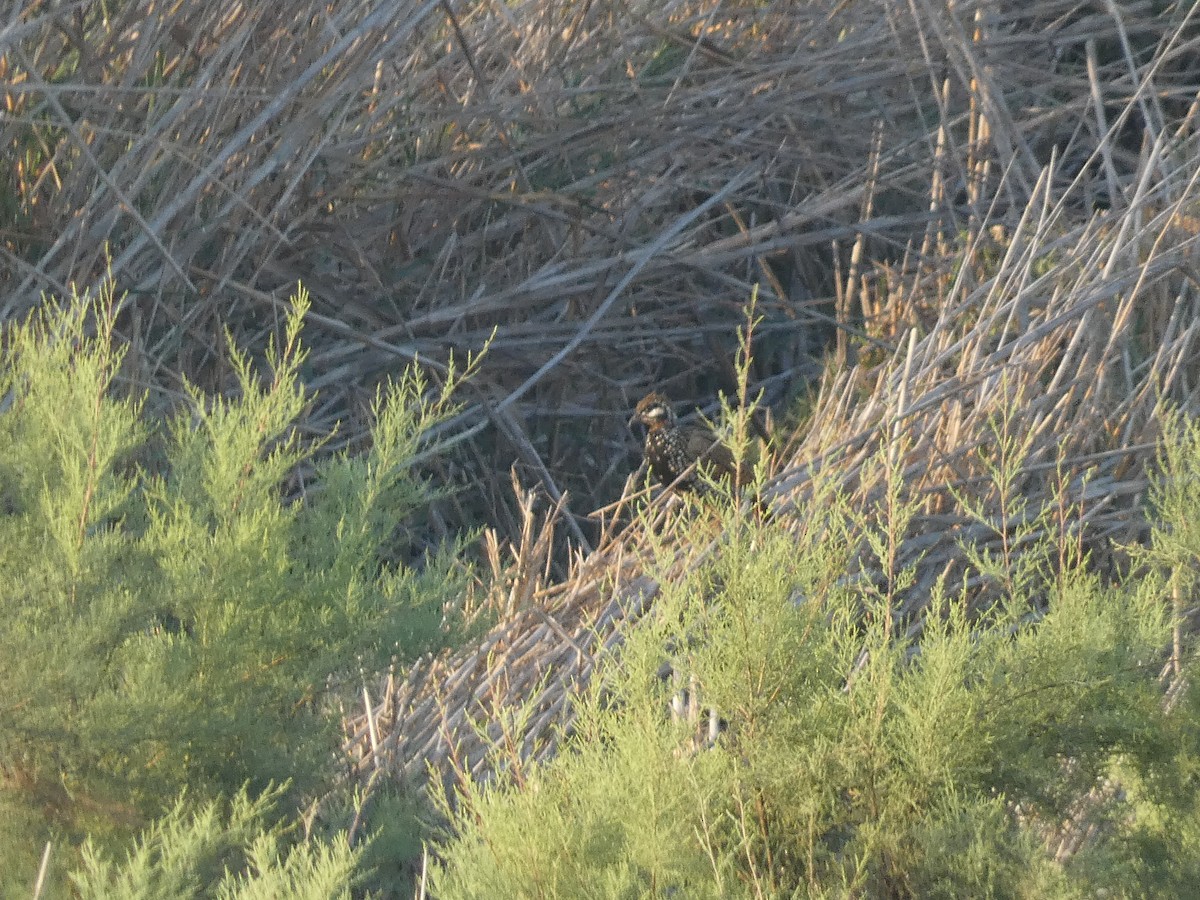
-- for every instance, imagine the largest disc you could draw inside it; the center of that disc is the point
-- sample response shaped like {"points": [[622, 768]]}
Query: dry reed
{"points": [[602, 182]]}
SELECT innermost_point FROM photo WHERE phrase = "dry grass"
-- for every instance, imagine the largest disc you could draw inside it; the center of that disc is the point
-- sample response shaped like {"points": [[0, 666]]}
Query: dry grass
{"points": [[913, 184], [1069, 340], [1062, 328], [1074, 363], [602, 182]]}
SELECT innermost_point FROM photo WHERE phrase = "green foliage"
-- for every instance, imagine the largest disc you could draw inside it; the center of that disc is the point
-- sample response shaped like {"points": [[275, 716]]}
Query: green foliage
{"points": [[856, 761], [204, 850], [1157, 826], [167, 617]]}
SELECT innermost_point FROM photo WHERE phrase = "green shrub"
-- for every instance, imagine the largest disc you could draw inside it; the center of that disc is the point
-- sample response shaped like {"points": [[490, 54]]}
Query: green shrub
{"points": [[169, 617], [854, 762], [206, 850]]}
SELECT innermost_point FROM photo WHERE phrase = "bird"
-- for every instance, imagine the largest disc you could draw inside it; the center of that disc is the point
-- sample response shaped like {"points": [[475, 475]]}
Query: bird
{"points": [[673, 450]]}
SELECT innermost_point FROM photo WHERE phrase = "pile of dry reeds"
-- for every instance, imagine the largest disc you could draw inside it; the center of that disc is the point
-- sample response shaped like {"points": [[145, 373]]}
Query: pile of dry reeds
{"points": [[602, 183], [1071, 345], [1059, 331]]}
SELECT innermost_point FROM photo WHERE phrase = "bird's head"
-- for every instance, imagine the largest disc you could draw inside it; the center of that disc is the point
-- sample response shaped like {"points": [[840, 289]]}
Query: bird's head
{"points": [[653, 411]]}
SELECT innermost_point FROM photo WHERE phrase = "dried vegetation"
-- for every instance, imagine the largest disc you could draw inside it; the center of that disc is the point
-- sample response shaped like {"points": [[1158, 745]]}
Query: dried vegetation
{"points": [[1041, 295], [986, 210]]}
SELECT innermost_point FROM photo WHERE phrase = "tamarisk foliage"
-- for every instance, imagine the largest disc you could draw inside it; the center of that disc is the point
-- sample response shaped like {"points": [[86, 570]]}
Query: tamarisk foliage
{"points": [[862, 754], [169, 615]]}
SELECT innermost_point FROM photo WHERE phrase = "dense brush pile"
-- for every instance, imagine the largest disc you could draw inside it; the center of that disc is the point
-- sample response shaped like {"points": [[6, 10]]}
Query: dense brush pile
{"points": [[1061, 349], [1043, 308], [601, 183]]}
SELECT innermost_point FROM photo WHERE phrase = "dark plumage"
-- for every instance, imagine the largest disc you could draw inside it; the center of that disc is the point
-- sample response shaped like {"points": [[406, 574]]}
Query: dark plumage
{"points": [[672, 448]]}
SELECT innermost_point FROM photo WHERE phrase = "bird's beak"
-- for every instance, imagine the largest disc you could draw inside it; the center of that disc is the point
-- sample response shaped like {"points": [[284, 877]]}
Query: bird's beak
{"points": [[631, 421]]}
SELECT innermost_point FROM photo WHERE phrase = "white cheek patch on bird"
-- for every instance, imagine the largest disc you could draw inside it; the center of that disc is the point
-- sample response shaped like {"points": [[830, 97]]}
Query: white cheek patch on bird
{"points": [[674, 451]]}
